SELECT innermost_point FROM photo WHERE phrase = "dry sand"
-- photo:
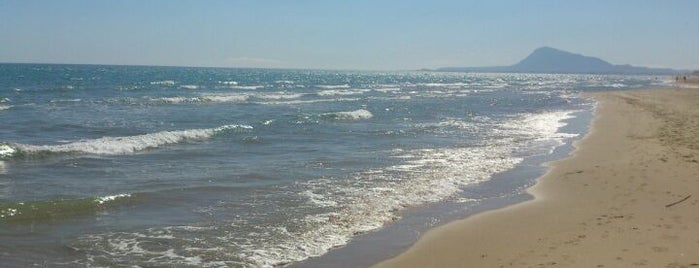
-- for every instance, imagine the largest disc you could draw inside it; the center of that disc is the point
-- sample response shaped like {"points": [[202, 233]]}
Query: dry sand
{"points": [[627, 197]]}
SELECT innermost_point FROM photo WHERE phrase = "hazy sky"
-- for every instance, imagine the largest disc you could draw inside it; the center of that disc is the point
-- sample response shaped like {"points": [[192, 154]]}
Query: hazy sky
{"points": [[354, 34]]}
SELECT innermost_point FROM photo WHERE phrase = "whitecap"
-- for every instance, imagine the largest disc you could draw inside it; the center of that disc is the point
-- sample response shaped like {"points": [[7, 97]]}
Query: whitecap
{"points": [[279, 96], [387, 89], [253, 87], [224, 97], [349, 115], [109, 198], [129, 144], [336, 92], [175, 100], [333, 86], [163, 83], [231, 83], [6, 151], [189, 87]]}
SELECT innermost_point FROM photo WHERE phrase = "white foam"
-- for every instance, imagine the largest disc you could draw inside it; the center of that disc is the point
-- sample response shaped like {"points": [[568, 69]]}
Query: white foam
{"points": [[163, 83], [253, 87], [105, 199], [175, 100], [189, 86], [333, 86], [6, 150], [298, 102], [279, 96], [350, 115], [129, 144], [5, 107], [65, 100], [231, 83], [318, 199], [447, 85], [387, 89], [336, 92], [224, 97], [369, 200]]}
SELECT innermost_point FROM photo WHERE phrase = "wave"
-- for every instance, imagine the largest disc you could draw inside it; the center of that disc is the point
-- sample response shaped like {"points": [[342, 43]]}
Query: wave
{"points": [[245, 87], [231, 83], [5, 107], [279, 96], [32, 211], [345, 92], [368, 200], [204, 98], [175, 100], [349, 115], [387, 89], [447, 85], [224, 97], [118, 145], [300, 102], [65, 100], [189, 87], [6, 151], [333, 86], [163, 83]]}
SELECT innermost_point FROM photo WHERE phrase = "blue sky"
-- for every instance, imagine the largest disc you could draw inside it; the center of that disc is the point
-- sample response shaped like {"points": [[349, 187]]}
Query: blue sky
{"points": [[358, 34]]}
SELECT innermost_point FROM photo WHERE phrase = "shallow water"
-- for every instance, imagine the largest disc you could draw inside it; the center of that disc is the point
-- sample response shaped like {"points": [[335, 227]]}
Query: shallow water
{"points": [[165, 166]]}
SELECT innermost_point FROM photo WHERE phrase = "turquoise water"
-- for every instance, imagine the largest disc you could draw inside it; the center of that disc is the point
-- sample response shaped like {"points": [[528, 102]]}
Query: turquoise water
{"points": [[168, 166]]}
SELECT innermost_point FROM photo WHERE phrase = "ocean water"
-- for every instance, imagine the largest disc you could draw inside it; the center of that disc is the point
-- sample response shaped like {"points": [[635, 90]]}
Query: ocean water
{"points": [[104, 166]]}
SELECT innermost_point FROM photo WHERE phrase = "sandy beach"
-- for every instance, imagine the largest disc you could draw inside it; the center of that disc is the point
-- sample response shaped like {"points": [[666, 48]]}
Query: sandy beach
{"points": [[628, 196]]}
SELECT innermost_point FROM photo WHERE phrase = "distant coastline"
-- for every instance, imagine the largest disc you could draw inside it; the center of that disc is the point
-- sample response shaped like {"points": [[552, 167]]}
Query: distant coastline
{"points": [[551, 60]]}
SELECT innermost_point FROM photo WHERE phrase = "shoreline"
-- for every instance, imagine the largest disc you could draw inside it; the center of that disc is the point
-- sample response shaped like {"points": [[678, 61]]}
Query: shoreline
{"points": [[606, 205], [502, 190]]}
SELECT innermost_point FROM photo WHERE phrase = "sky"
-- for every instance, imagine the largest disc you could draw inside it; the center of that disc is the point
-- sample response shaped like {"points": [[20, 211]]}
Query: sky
{"points": [[356, 34]]}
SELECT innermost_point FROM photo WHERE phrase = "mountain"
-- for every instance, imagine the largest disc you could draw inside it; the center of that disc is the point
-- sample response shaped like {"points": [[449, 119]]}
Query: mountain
{"points": [[551, 60]]}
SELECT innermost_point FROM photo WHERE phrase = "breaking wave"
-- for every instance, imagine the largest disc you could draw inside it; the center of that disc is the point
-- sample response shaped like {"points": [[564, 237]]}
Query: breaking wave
{"points": [[117, 145], [333, 86], [342, 92], [360, 114]]}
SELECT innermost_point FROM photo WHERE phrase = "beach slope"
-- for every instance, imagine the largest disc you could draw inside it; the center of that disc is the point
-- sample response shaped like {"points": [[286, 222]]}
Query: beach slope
{"points": [[627, 197]]}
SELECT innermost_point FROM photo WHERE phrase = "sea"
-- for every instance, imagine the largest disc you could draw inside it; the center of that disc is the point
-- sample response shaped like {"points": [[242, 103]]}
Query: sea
{"points": [[136, 166]]}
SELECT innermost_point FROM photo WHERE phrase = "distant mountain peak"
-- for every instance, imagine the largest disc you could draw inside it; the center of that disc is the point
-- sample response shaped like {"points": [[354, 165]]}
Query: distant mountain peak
{"points": [[547, 49], [552, 60], [548, 59]]}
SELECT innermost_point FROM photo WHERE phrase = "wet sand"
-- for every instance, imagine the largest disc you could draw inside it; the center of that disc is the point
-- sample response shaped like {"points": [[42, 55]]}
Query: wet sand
{"points": [[627, 197]]}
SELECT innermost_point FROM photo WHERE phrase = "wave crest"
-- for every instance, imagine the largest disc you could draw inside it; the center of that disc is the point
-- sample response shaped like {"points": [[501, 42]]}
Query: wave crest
{"points": [[349, 115], [20, 212], [119, 145]]}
